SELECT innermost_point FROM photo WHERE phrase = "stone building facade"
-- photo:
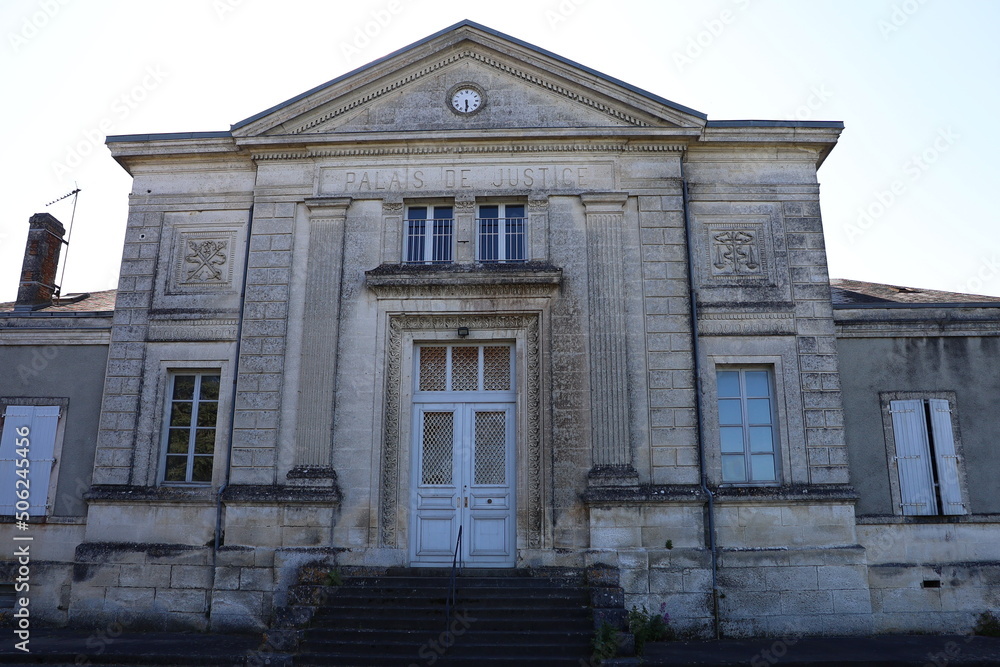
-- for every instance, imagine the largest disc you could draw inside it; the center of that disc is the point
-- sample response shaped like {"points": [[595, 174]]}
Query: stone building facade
{"points": [[476, 287]]}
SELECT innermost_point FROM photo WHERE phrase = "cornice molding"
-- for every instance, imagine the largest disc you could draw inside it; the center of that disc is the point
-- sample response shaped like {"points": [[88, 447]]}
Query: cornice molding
{"points": [[451, 149], [495, 63], [188, 330]]}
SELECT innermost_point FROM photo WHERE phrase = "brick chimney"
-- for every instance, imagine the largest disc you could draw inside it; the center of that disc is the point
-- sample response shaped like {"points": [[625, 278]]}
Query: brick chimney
{"points": [[41, 261]]}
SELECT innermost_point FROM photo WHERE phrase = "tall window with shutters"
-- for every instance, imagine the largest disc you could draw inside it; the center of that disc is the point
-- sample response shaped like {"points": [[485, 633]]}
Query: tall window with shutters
{"points": [[27, 458], [926, 459]]}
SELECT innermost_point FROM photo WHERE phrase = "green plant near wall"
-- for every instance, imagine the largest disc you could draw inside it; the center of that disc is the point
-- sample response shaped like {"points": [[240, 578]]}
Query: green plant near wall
{"points": [[987, 625], [605, 642], [649, 626], [333, 578]]}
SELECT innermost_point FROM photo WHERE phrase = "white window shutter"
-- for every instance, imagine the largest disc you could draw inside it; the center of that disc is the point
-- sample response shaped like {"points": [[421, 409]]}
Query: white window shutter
{"points": [[916, 479], [947, 458], [42, 422]]}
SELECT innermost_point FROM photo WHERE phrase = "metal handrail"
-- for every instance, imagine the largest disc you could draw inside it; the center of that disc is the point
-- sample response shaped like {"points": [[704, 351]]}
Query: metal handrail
{"points": [[452, 597]]}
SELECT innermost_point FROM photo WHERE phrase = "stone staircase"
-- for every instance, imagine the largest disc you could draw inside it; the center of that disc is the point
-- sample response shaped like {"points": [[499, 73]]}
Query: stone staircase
{"points": [[397, 617]]}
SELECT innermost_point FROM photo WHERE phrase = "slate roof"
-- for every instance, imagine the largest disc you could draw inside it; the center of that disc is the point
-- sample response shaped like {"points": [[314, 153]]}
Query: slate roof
{"points": [[92, 302], [848, 293]]}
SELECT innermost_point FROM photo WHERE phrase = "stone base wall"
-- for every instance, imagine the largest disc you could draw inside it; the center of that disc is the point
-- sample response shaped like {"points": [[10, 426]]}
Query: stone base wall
{"points": [[783, 567], [780, 592], [896, 577], [931, 577], [171, 587]]}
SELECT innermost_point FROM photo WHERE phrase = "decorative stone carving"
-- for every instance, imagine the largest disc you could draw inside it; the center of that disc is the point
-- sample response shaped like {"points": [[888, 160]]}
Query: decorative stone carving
{"points": [[193, 330], [746, 324], [389, 499], [735, 252], [204, 259], [320, 331], [608, 354], [501, 65]]}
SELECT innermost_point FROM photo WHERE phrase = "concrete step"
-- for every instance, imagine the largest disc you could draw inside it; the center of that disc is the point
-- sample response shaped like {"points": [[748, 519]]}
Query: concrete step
{"points": [[397, 617]]}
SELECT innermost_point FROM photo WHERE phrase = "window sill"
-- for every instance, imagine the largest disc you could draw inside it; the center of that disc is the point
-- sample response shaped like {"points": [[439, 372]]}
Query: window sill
{"points": [[235, 493], [727, 494], [388, 279], [108, 493], [891, 519]]}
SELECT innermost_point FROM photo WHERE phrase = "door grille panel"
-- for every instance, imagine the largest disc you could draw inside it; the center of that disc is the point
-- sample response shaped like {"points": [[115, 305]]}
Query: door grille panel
{"points": [[464, 368], [496, 368], [438, 448], [433, 369], [490, 448]]}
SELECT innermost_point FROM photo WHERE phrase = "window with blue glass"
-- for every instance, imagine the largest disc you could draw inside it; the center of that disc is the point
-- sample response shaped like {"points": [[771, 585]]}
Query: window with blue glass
{"points": [[430, 234], [500, 233], [747, 430]]}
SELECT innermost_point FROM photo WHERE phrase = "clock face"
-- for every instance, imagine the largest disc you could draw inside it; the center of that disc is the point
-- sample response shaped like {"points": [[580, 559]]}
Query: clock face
{"points": [[466, 100]]}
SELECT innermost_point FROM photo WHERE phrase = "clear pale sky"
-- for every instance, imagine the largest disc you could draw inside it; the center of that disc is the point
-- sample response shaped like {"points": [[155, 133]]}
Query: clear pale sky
{"points": [[905, 195]]}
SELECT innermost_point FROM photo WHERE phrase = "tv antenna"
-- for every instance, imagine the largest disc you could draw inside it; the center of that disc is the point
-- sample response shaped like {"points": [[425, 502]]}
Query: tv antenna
{"points": [[74, 193]]}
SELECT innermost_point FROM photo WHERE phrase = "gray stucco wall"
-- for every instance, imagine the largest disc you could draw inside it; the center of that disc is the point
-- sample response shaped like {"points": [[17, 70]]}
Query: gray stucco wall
{"points": [[966, 365], [73, 372]]}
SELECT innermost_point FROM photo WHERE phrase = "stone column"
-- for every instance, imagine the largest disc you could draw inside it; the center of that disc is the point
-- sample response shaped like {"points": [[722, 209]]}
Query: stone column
{"points": [[465, 230], [538, 229], [320, 329], [609, 396]]}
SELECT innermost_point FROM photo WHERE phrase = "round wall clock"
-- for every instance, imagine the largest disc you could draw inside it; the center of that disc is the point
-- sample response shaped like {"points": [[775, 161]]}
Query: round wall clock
{"points": [[466, 99]]}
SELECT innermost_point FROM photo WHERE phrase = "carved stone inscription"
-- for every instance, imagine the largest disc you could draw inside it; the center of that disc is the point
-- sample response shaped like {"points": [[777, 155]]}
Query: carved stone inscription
{"points": [[473, 177]]}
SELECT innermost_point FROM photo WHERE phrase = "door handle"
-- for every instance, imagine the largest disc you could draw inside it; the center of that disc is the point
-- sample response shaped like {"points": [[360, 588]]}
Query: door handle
{"points": [[467, 501]]}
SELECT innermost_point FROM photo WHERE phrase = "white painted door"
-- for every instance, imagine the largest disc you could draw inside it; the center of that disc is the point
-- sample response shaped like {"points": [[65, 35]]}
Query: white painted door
{"points": [[463, 456]]}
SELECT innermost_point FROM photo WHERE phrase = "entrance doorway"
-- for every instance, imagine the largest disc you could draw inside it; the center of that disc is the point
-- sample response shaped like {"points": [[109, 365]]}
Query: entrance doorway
{"points": [[464, 405]]}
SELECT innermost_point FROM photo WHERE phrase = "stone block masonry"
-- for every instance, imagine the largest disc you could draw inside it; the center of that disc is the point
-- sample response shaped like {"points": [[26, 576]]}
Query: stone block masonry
{"points": [[172, 587], [121, 408], [260, 367], [817, 352]]}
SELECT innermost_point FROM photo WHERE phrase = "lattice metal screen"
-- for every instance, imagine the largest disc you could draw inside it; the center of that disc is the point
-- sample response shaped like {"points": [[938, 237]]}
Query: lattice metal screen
{"points": [[490, 454], [464, 368], [433, 369], [496, 368], [438, 448]]}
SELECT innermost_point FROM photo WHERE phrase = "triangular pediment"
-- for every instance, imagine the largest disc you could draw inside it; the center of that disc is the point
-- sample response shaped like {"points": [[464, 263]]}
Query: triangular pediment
{"points": [[519, 87]]}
